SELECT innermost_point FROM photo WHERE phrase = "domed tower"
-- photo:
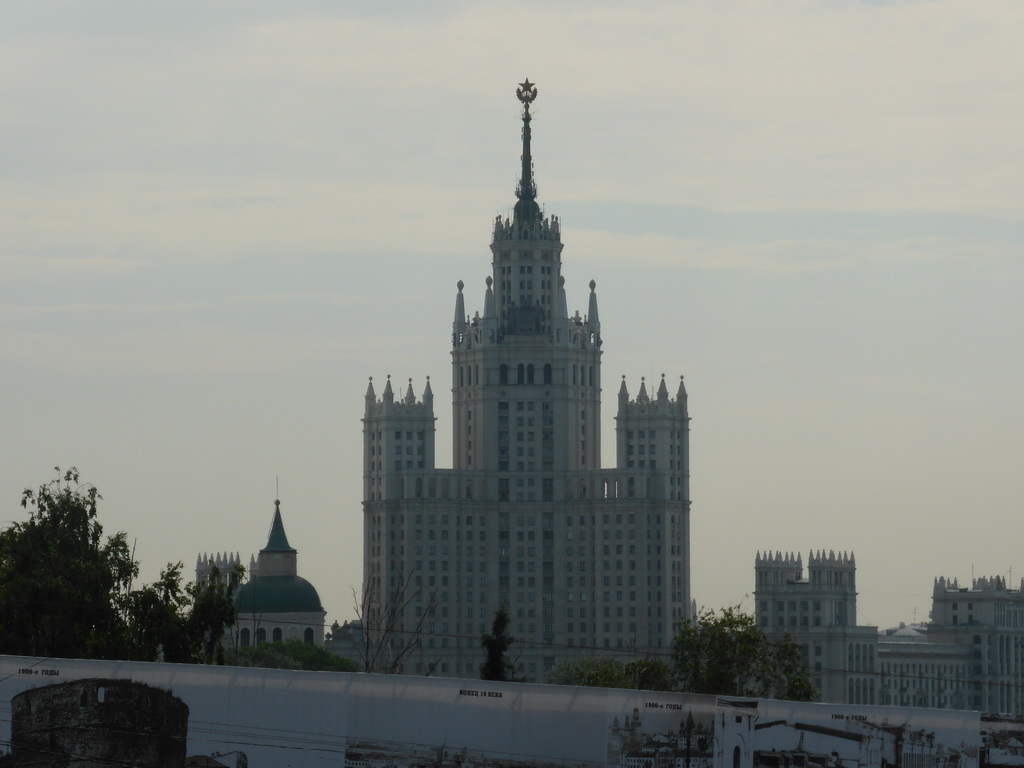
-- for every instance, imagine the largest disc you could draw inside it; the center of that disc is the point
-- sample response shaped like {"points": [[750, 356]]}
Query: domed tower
{"points": [[277, 604]]}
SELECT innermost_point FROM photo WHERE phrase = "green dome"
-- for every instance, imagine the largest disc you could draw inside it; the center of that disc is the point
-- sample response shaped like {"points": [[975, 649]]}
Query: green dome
{"points": [[277, 594]]}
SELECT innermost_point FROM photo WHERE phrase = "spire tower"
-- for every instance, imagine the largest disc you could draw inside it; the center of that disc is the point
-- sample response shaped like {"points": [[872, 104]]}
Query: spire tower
{"points": [[526, 473], [527, 211]]}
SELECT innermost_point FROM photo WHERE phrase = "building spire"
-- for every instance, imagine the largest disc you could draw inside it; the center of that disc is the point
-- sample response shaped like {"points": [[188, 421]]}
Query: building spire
{"points": [[527, 211], [277, 541]]}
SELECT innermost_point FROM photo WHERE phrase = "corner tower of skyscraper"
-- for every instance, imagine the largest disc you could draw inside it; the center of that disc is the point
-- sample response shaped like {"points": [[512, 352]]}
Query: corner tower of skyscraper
{"points": [[587, 560]]}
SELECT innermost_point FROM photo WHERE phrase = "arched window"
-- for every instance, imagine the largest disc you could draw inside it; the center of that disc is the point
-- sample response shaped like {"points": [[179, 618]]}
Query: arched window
{"points": [[278, 636], [591, 375], [574, 375], [547, 373], [735, 757], [529, 374], [307, 635], [520, 374], [461, 374], [244, 638], [631, 487], [503, 374], [261, 635]]}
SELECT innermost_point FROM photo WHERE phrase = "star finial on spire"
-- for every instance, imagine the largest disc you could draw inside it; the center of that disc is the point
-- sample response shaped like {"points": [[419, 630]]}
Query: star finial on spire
{"points": [[526, 93]]}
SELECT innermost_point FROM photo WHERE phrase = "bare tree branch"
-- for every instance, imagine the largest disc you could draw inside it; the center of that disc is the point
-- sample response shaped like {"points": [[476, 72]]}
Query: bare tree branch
{"points": [[385, 642]]}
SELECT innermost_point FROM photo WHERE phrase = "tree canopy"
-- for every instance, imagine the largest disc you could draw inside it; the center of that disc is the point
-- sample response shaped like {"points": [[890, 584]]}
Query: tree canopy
{"points": [[67, 591], [726, 654], [293, 654], [723, 654], [609, 672]]}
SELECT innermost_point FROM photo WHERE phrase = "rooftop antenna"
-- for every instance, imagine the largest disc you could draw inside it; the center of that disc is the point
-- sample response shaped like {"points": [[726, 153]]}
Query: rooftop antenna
{"points": [[277, 486]]}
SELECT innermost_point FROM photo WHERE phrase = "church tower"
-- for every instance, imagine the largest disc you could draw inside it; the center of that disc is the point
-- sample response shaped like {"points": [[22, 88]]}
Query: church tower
{"points": [[584, 558]]}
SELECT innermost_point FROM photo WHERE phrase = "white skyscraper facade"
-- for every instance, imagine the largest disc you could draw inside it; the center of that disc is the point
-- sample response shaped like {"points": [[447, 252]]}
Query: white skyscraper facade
{"points": [[586, 559]]}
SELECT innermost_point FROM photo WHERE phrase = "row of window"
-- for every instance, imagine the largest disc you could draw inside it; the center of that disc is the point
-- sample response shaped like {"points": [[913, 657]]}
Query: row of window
{"points": [[277, 635], [547, 521]]}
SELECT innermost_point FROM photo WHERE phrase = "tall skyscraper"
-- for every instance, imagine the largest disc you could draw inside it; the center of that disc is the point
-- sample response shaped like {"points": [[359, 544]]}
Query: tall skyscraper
{"points": [[587, 559]]}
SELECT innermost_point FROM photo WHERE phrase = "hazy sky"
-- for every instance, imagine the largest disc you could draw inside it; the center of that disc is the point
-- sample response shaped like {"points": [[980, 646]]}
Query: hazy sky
{"points": [[218, 219]]}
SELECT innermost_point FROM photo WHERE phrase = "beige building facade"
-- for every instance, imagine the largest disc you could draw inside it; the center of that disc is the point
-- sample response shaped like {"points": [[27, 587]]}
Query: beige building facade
{"points": [[819, 611], [585, 558], [970, 655]]}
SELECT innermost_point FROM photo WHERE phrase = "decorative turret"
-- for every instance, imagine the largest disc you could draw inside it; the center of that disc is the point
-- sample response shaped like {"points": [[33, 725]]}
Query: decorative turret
{"points": [[459, 324], [592, 317], [219, 565], [489, 300], [561, 303], [827, 595], [644, 405], [641, 396], [777, 568], [398, 435], [654, 435]]}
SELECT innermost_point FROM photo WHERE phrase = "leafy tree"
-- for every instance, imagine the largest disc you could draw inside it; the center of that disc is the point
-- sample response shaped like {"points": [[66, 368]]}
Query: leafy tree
{"points": [[67, 592], [726, 654], [157, 620], [179, 623], [608, 672], [212, 612], [496, 644], [590, 671], [293, 654], [64, 589]]}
